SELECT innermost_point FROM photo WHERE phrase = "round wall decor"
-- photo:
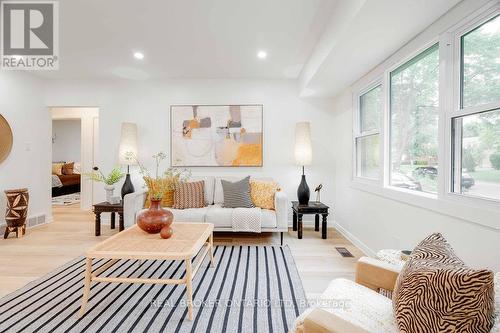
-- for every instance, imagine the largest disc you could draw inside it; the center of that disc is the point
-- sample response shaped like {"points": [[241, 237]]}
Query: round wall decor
{"points": [[5, 139]]}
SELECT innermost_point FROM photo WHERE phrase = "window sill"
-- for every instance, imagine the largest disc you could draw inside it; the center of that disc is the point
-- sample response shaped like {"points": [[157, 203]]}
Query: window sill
{"points": [[461, 207]]}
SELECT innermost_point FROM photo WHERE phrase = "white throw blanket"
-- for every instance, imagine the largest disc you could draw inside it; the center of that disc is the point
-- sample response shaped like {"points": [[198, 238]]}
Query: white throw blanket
{"points": [[247, 219], [56, 182]]}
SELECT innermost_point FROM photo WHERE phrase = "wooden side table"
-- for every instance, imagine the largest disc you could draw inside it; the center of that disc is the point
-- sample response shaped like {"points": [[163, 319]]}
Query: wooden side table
{"points": [[106, 207], [314, 207]]}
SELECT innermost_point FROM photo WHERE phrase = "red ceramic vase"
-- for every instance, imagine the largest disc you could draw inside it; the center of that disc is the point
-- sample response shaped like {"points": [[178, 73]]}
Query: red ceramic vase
{"points": [[152, 220]]}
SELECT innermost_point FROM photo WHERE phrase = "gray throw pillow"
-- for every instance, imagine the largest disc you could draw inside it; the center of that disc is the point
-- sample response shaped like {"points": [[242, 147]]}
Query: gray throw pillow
{"points": [[237, 194]]}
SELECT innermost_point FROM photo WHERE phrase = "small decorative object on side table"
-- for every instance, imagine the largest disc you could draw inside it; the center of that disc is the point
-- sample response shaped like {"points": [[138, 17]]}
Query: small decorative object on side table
{"points": [[106, 207], [313, 207], [109, 181], [127, 154], [303, 157]]}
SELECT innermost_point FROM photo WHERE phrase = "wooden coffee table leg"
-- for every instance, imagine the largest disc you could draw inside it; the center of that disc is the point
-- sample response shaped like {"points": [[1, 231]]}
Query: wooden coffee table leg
{"points": [[112, 220], [86, 288], [211, 242], [189, 290]]}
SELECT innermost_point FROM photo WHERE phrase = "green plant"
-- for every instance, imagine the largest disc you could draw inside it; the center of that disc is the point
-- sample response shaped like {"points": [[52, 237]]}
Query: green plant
{"points": [[470, 159], [160, 183], [495, 160], [112, 178]]}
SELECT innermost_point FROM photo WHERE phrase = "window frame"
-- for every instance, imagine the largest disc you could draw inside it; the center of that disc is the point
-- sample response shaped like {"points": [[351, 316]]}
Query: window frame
{"points": [[358, 134], [458, 111], [387, 117], [473, 209]]}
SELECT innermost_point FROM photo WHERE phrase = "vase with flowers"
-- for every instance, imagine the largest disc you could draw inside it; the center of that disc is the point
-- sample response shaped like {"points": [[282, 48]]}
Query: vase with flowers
{"points": [[160, 187], [109, 181]]}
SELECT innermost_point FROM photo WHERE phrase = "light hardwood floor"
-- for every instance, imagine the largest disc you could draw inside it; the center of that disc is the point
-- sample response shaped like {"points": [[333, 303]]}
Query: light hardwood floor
{"points": [[47, 247]]}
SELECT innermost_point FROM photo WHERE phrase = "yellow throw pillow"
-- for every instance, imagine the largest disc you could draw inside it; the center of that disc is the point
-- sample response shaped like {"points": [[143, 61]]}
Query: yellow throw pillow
{"points": [[166, 201], [57, 168], [262, 193]]}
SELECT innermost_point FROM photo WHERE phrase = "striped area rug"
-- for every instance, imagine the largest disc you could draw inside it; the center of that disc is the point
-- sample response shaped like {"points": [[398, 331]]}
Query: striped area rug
{"points": [[250, 289]]}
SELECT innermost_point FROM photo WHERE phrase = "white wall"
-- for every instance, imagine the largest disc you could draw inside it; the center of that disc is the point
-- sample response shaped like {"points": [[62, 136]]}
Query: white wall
{"points": [[67, 144], [375, 221], [148, 104], [28, 165]]}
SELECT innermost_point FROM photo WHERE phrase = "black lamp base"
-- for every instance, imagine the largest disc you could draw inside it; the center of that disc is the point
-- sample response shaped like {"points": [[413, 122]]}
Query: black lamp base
{"points": [[127, 187], [303, 193]]}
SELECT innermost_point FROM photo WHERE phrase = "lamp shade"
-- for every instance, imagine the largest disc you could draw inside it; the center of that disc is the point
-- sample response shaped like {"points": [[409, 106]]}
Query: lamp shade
{"points": [[128, 144], [303, 150]]}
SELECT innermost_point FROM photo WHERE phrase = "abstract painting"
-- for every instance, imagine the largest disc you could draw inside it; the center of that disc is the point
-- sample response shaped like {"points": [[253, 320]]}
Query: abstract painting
{"points": [[216, 135]]}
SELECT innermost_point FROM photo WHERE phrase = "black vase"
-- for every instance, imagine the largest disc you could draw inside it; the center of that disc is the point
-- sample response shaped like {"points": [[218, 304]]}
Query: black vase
{"points": [[127, 187], [303, 193]]}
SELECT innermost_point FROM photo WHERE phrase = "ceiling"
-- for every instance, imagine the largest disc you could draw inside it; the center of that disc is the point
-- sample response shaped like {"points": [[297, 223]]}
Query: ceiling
{"points": [[325, 44], [188, 38], [360, 35]]}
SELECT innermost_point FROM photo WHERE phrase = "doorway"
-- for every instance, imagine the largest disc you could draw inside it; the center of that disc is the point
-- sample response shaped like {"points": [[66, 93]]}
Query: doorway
{"points": [[75, 139]]}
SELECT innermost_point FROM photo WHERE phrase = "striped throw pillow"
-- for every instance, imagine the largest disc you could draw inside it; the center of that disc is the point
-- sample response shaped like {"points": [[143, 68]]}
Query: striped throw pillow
{"points": [[437, 292], [189, 195], [237, 194]]}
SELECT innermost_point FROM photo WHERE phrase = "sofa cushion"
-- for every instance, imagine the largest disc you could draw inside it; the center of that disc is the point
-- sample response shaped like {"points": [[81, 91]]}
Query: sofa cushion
{"points": [[237, 194], [262, 193], [218, 191], [208, 189], [220, 217], [437, 292], [189, 215], [268, 218], [358, 305], [189, 195]]}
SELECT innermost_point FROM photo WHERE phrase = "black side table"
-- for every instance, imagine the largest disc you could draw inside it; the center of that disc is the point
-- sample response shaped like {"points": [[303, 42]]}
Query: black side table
{"points": [[314, 207], [106, 207]]}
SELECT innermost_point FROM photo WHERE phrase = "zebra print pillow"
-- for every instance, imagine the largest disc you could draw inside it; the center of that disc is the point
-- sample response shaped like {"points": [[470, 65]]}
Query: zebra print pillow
{"points": [[437, 292]]}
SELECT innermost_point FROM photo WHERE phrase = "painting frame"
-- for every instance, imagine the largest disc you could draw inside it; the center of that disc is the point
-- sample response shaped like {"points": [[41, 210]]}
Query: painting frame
{"points": [[191, 165]]}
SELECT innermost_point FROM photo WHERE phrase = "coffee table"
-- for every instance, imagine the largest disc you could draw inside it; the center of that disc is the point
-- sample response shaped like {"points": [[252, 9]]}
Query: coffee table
{"points": [[186, 242]]}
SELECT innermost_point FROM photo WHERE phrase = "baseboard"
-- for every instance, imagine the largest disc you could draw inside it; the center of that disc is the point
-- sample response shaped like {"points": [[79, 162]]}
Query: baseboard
{"points": [[353, 239], [33, 221]]}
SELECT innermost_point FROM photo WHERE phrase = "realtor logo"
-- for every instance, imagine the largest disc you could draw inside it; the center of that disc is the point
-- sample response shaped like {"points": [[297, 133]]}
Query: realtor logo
{"points": [[29, 33]]}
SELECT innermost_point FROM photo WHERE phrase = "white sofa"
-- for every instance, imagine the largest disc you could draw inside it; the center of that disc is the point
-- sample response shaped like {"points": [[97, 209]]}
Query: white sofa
{"points": [[272, 220]]}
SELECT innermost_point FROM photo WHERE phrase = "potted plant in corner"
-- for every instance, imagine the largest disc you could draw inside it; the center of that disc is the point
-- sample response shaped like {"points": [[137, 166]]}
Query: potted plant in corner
{"points": [[109, 181]]}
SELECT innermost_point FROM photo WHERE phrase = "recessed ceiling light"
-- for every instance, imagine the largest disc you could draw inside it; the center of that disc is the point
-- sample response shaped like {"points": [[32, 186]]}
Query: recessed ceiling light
{"points": [[262, 54], [139, 55]]}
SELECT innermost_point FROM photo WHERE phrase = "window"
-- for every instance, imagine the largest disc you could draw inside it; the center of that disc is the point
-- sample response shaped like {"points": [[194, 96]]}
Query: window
{"points": [[428, 133], [367, 141], [414, 113], [477, 156], [480, 64], [476, 132]]}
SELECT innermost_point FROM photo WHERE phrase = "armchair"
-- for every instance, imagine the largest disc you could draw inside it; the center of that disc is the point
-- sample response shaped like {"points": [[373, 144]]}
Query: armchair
{"points": [[364, 309], [355, 307]]}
